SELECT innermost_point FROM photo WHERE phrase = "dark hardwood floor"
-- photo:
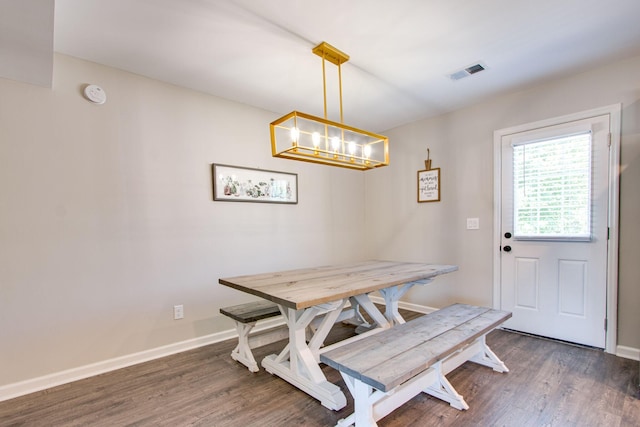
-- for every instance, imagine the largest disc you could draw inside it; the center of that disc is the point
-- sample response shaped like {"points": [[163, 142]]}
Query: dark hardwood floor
{"points": [[550, 384]]}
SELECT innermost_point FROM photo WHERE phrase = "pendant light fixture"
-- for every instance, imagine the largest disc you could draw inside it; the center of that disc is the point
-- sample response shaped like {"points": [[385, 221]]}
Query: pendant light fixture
{"points": [[301, 136]]}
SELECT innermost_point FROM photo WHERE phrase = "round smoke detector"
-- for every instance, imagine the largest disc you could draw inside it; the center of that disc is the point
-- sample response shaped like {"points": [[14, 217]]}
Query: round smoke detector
{"points": [[95, 94]]}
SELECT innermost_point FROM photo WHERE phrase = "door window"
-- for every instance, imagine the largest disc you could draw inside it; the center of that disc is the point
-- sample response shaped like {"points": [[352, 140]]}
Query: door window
{"points": [[552, 188]]}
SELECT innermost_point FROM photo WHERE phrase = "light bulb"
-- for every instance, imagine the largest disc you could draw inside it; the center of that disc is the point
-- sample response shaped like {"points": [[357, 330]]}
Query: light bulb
{"points": [[315, 137], [295, 134], [335, 143], [352, 148], [367, 151]]}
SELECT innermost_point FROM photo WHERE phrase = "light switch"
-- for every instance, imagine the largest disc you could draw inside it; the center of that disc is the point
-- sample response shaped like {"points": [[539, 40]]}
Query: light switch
{"points": [[473, 223]]}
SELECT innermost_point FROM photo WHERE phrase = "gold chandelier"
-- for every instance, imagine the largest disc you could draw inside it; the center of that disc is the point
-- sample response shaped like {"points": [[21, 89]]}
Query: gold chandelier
{"points": [[300, 136]]}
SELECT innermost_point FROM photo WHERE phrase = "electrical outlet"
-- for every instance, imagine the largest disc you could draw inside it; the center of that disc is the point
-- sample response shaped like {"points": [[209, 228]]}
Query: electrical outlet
{"points": [[178, 312]]}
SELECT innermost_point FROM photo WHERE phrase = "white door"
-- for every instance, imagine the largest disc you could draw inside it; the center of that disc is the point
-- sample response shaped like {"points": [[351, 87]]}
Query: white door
{"points": [[554, 230]]}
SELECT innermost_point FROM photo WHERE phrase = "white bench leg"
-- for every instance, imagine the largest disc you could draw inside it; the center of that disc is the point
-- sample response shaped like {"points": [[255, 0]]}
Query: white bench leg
{"points": [[242, 353], [442, 389], [477, 352], [363, 407], [371, 404], [486, 357], [364, 399]]}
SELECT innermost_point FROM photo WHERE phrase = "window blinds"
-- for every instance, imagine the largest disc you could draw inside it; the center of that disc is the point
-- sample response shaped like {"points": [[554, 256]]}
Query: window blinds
{"points": [[552, 188]]}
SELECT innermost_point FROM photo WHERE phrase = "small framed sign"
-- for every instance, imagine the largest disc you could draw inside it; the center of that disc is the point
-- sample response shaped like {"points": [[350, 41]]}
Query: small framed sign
{"points": [[429, 185]]}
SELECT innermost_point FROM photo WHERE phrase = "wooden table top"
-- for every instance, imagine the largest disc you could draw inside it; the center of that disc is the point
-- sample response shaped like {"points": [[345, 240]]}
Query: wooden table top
{"points": [[307, 287]]}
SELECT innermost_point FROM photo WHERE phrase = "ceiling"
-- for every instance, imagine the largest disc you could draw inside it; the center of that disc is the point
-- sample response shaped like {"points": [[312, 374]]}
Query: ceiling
{"points": [[402, 52]]}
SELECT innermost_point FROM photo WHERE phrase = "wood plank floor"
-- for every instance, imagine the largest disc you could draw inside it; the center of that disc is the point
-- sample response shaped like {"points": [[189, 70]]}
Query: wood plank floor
{"points": [[550, 384]]}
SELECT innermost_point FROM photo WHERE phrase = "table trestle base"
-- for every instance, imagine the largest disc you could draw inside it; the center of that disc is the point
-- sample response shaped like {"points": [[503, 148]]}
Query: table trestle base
{"points": [[329, 394], [298, 362], [391, 297], [357, 319]]}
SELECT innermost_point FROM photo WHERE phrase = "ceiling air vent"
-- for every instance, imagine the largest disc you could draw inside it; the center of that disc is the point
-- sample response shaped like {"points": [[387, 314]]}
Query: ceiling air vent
{"points": [[472, 69]]}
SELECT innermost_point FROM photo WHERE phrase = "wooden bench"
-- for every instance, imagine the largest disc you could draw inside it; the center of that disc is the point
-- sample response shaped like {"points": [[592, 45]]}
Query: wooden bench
{"points": [[387, 369], [245, 317]]}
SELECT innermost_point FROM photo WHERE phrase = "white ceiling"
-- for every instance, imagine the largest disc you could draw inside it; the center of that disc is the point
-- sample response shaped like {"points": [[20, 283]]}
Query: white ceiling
{"points": [[258, 52]]}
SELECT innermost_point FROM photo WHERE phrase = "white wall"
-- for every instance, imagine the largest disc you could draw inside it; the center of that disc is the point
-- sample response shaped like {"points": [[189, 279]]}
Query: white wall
{"points": [[107, 218], [461, 144]]}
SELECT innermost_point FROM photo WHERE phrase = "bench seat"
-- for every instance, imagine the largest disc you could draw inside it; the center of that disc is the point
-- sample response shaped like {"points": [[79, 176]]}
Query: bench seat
{"points": [[251, 312], [386, 369], [245, 317]]}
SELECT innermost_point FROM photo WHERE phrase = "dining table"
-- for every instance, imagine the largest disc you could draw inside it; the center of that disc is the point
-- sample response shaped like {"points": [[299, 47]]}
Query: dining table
{"points": [[321, 295]]}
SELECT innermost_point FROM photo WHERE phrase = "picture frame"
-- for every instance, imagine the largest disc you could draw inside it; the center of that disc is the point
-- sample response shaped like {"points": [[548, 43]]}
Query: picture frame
{"points": [[429, 185], [242, 184]]}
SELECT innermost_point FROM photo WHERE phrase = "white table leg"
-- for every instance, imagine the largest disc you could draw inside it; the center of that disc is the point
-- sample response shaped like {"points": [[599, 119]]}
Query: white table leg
{"points": [[298, 363], [392, 297], [357, 319], [368, 306]]}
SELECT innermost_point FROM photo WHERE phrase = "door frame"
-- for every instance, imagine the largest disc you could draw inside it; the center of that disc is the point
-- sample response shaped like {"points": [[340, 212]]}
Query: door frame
{"points": [[615, 112]]}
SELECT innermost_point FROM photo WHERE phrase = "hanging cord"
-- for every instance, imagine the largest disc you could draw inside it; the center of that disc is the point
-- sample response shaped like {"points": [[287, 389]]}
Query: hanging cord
{"points": [[324, 84]]}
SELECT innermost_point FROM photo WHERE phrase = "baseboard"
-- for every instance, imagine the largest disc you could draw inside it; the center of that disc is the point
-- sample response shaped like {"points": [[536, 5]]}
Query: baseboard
{"points": [[33, 385], [628, 352], [406, 305]]}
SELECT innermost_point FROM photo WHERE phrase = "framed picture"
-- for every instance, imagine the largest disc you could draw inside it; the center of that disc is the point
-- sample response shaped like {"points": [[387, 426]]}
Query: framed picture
{"points": [[240, 184], [429, 185]]}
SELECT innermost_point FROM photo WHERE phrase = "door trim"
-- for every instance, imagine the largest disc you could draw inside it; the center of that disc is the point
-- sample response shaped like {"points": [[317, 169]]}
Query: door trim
{"points": [[614, 111]]}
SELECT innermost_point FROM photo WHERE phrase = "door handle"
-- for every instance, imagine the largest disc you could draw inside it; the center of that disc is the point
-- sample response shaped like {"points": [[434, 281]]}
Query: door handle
{"points": [[507, 249], [507, 235]]}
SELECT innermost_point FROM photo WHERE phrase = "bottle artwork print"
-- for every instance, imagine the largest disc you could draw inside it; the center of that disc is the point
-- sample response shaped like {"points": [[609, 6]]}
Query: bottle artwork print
{"points": [[274, 189]]}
